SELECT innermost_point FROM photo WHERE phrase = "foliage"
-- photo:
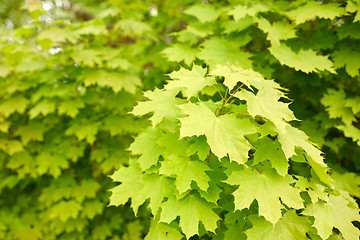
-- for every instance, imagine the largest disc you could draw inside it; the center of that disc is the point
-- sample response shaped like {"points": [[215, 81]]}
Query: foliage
{"points": [[222, 156]]}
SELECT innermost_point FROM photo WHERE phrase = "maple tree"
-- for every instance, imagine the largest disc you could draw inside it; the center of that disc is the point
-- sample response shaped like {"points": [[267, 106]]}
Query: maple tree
{"points": [[179, 120]]}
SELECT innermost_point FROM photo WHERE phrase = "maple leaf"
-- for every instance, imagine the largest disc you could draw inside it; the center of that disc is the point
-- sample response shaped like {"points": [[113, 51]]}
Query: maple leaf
{"points": [[351, 132], [192, 209], [94, 27], [276, 31], [13, 104], [204, 13], [305, 60], [162, 103], [33, 131], [240, 11], [65, 210], [145, 144], [70, 107], [180, 52], [224, 134], [139, 187], [92, 208], [22, 162], [266, 104], [116, 81], [335, 103], [160, 230], [334, 213], [232, 75], [237, 26], [223, 51], [266, 188], [266, 149], [52, 163], [58, 35], [83, 130], [87, 189], [119, 125], [200, 147], [314, 9], [4, 70], [87, 57], [186, 171], [193, 81], [133, 27], [44, 108], [172, 145], [347, 181], [289, 227], [292, 137], [349, 59], [354, 6]]}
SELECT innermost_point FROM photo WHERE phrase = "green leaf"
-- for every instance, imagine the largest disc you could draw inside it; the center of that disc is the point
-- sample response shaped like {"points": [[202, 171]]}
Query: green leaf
{"points": [[335, 103], [162, 103], [70, 107], [87, 189], [146, 145], [334, 213], [42, 108], [348, 58], [186, 171], [266, 104], [224, 134], [290, 227], [354, 6], [93, 27], [276, 31], [65, 210], [226, 52], [33, 131], [314, 9], [351, 132], [241, 11], [133, 27], [58, 35], [51, 163], [191, 81], [293, 137], [160, 230], [92, 208], [238, 26], [233, 75], [116, 81], [139, 187], [180, 52], [200, 147], [267, 188], [83, 130], [13, 104], [347, 181], [192, 209], [87, 57], [204, 13], [266, 149], [305, 60], [4, 70]]}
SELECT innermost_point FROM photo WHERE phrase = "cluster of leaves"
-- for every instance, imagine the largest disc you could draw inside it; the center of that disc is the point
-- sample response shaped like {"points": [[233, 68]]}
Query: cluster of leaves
{"points": [[206, 161], [308, 46], [222, 157]]}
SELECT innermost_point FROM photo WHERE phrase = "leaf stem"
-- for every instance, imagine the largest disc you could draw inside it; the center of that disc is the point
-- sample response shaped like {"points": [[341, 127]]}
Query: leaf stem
{"points": [[254, 164], [227, 100], [219, 92]]}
